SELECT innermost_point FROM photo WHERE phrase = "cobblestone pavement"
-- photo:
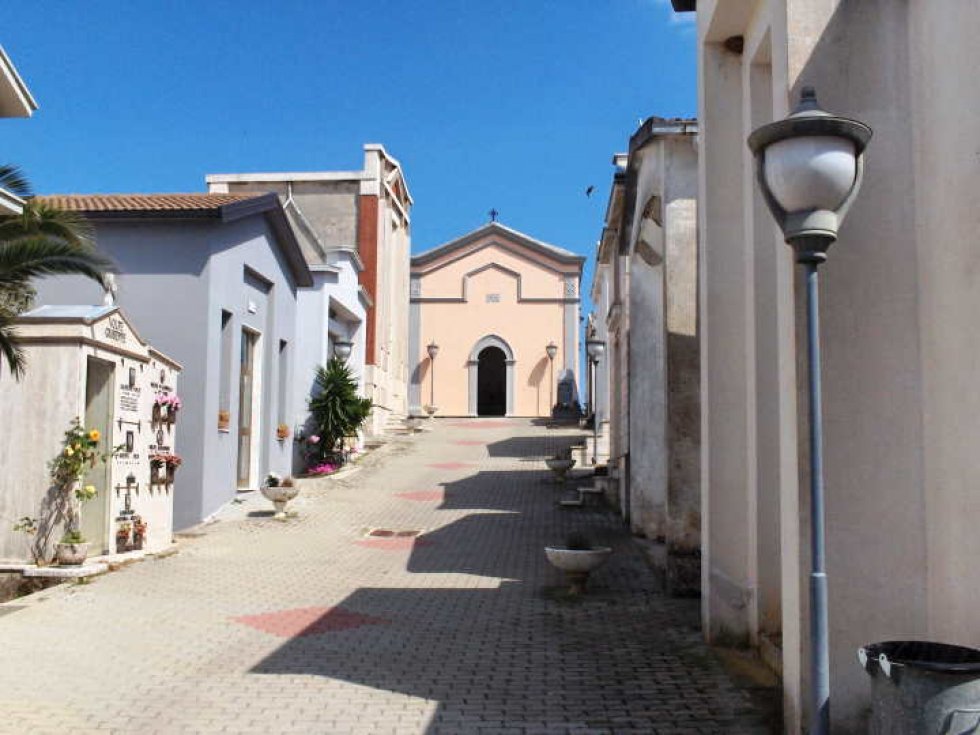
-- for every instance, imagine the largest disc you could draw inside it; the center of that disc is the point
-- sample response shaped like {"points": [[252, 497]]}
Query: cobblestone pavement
{"points": [[313, 626]]}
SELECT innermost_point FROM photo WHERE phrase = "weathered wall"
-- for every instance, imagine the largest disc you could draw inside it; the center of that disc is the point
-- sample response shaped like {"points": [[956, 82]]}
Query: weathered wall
{"points": [[896, 305]]}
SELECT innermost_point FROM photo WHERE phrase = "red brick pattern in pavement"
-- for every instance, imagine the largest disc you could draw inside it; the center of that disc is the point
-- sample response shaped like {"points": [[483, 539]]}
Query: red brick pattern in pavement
{"points": [[305, 621], [421, 495]]}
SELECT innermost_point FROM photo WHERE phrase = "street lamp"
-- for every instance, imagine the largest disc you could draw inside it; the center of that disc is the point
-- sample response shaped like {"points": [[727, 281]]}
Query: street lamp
{"points": [[433, 350], [809, 167], [342, 349], [551, 349], [595, 348]]}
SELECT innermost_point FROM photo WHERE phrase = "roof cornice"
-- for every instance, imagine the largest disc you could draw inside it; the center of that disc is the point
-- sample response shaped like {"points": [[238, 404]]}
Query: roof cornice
{"points": [[495, 228]]}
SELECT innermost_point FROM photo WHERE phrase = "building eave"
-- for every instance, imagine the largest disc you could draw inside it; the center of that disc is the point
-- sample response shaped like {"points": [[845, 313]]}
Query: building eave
{"points": [[684, 6], [15, 98]]}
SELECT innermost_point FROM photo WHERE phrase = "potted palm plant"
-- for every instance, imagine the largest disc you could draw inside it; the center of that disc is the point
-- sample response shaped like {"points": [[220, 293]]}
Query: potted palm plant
{"points": [[336, 412]]}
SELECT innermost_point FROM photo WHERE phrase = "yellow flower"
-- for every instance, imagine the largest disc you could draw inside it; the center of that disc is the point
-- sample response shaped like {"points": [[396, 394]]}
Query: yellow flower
{"points": [[94, 435], [69, 451]]}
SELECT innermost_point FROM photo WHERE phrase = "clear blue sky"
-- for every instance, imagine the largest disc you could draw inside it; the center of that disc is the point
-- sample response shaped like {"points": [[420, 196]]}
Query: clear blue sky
{"points": [[517, 105]]}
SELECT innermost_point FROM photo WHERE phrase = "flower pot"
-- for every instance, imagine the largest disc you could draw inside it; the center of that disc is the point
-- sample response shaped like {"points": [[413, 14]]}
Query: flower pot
{"points": [[430, 410], [560, 466], [577, 563], [280, 495], [71, 554]]}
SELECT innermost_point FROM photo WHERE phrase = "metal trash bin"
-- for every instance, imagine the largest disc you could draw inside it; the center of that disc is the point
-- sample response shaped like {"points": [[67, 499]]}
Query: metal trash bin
{"points": [[922, 688]]}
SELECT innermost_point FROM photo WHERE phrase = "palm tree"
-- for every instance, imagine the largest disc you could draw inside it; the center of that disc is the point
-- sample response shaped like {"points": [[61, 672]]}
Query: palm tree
{"points": [[40, 241]]}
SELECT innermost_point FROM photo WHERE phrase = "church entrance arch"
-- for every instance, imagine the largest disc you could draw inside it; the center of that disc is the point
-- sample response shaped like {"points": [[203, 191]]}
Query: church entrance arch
{"points": [[491, 382], [491, 377]]}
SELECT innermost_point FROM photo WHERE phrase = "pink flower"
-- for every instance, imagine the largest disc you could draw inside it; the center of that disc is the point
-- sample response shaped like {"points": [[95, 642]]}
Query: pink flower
{"points": [[313, 439], [322, 469]]}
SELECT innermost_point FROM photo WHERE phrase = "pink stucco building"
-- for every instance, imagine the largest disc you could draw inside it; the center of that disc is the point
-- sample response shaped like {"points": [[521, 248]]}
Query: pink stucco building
{"points": [[492, 301]]}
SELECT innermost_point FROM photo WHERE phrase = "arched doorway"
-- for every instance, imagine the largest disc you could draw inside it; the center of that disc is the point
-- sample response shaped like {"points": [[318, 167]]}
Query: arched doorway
{"points": [[491, 389]]}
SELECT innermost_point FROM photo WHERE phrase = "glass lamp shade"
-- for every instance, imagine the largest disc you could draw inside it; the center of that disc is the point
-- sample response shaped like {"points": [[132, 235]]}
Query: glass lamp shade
{"points": [[433, 350], [595, 348], [552, 350], [810, 172], [342, 349]]}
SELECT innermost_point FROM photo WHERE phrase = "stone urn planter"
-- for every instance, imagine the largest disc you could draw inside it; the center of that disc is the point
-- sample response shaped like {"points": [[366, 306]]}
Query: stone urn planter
{"points": [[71, 554], [577, 563], [560, 466], [431, 410], [279, 493]]}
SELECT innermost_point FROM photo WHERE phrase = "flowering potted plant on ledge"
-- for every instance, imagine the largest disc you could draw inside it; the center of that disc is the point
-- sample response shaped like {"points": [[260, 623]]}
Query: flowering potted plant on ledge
{"points": [[280, 491], [139, 532], [79, 453], [122, 537], [282, 432], [165, 408]]}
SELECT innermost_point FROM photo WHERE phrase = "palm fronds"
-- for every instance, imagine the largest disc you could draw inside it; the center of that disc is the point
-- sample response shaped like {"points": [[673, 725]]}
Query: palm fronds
{"points": [[40, 241], [14, 181]]}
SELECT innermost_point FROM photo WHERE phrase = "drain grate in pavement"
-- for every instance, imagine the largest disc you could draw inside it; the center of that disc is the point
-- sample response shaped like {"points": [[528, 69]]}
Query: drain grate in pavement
{"points": [[389, 533]]}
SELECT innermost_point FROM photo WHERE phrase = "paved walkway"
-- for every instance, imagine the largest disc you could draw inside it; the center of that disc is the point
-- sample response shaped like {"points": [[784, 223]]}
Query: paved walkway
{"points": [[312, 626]]}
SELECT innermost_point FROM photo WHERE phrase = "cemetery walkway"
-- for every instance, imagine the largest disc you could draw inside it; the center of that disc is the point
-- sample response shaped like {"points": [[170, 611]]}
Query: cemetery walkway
{"points": [[313, 625]]}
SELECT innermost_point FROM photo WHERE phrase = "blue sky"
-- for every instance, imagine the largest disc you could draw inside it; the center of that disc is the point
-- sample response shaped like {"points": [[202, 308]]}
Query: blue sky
{"points": [[516, 105]]}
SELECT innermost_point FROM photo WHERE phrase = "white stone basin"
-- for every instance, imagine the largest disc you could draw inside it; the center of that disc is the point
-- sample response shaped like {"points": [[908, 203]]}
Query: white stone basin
{"points": [[280, 495], [578, 561], [559, 466]]}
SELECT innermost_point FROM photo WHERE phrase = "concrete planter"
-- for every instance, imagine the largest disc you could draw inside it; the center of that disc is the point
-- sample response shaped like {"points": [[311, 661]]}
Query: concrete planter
{"points": [[71, 554], [431, 410], [280, 495], [560, 467], [578, 563]]}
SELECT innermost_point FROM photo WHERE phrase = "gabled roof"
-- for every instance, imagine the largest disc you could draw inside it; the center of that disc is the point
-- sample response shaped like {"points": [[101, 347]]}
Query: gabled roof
{"points": [[222, 207], [495, 228], [15, 97], [180, 205]]}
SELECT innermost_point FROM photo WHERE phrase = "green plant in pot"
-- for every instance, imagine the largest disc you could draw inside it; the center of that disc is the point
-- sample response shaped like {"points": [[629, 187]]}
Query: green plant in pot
{"points": [[336, 411], [79, 454]]}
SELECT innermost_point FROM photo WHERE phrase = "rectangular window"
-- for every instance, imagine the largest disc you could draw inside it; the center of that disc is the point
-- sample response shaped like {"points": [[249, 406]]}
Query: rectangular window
{"points": [[224, 368]]}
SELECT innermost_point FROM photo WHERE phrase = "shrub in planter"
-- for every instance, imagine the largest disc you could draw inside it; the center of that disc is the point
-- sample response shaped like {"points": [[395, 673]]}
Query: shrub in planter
{"points": [[336, 411]]}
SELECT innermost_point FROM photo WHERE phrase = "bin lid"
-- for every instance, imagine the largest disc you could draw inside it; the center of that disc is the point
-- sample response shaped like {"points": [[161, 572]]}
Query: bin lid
{"points": [[928, 655]]}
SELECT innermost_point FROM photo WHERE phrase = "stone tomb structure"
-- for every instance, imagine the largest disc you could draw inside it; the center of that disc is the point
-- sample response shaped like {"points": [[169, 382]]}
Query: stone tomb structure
{"points": [[492, 301], [88, 362]]}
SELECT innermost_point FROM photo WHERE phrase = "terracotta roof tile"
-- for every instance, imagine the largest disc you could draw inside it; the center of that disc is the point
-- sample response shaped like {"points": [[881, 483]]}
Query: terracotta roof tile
{"points": [[144, 202]]}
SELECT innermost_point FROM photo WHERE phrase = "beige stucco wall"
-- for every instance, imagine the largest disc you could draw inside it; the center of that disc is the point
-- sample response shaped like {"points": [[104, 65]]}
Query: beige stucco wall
{"points": [[898, 306], [492, 277]]}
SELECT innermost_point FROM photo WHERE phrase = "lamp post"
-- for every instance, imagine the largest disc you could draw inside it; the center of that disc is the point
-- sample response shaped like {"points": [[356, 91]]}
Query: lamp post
{"points": [[595, 348], [551, 349], [433, 350], [342, 349], [809, 167]]}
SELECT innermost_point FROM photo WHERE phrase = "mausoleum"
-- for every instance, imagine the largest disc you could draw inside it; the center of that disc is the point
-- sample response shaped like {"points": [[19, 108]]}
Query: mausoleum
{"points": [[493, 323]]}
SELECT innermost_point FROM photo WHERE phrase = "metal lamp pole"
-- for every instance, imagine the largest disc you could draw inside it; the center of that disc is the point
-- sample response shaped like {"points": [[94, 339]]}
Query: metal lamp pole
{"points": [[595, 348], [809, 168], [552, 350], [433, 350]]}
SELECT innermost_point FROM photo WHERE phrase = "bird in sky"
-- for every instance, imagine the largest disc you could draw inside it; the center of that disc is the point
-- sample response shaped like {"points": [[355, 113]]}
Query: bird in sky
{"points": [[588, 192]]}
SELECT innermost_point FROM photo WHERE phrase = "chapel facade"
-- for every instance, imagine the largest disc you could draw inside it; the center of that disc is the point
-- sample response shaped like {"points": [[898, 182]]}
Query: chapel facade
{"points": [[491, 303]]}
